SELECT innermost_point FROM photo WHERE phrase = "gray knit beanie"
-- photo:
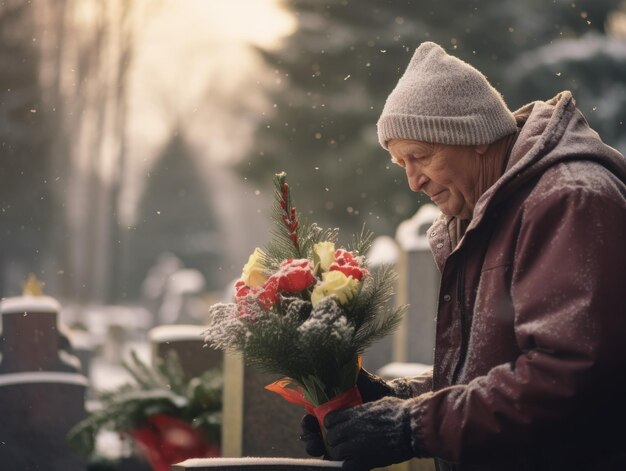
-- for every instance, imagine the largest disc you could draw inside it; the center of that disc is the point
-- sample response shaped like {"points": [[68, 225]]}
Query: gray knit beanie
{"points": [[442, 100]]}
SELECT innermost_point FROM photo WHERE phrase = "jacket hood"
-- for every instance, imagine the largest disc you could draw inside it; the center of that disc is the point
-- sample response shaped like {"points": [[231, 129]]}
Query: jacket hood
{"points": [[551, 132]]}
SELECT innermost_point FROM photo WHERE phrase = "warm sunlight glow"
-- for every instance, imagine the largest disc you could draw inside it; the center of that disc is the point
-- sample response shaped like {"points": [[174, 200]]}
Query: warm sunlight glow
{"points": [[261, 22], [194, 68]]}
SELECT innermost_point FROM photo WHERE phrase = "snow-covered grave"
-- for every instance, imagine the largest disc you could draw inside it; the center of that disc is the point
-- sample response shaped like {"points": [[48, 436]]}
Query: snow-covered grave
{"points": [[255, 464], [414, 341], [257, 422], [397, 369], [42, 392], [188, 343]]}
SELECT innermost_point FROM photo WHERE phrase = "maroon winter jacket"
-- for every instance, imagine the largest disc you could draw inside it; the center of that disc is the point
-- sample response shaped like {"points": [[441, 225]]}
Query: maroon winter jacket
{"points": [[530, 357]]}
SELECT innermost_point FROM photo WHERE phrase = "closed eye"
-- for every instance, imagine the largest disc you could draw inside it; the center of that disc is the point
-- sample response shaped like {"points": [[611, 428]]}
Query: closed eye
{"points": [[397, 161]]}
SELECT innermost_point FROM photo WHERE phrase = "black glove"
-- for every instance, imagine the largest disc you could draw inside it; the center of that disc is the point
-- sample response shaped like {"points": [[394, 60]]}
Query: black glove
{"points": [[371, 435], [312, 436], [372, 387]]}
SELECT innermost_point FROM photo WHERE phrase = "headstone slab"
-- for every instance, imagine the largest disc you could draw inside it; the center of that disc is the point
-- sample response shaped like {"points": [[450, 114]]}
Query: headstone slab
{"points": [[257, 422], [38, 409], [42, 395], [384, 251], [255, 464], [271, 424], [188, 343], [30, 335], [418, 287]]}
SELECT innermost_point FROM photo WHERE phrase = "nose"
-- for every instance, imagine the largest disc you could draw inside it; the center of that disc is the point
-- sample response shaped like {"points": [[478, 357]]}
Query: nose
{"points": [[415, 178]]}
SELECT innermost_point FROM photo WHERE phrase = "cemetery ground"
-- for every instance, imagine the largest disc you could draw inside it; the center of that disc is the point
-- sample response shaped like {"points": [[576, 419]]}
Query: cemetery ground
{"points": [[55, 357]]}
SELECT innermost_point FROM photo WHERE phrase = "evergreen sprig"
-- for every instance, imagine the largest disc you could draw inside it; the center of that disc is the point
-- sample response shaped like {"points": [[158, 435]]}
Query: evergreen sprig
{"points": [[293, 237], [361, 242], [159, 390]]}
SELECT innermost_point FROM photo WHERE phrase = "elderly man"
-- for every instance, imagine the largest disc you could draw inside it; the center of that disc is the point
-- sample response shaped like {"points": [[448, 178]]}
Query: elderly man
{"points": [[530, 357]]}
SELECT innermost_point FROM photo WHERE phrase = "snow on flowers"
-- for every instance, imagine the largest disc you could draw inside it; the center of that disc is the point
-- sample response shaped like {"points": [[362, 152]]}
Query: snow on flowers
{"points": [[306, 308]]}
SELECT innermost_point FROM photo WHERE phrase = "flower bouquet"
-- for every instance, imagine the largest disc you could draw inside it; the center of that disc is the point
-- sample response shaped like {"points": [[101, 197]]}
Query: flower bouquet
{"points": [[306, 310], [169, 417]]}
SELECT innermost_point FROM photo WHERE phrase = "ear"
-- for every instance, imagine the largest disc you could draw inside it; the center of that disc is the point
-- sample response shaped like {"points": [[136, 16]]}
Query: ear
{"points": [[481, 149]]}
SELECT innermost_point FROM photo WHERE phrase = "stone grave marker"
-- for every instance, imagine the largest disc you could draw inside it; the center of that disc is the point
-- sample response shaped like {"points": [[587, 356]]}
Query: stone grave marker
{"points": [[384, 251], [257, 422], [188, 343], [81, 344], [42, 394], [419, 287]]}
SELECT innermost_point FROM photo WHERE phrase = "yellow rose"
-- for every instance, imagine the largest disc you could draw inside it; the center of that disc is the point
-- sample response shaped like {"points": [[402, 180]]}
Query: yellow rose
{"points": [[325, 252], [335, 283], [254, 274]]}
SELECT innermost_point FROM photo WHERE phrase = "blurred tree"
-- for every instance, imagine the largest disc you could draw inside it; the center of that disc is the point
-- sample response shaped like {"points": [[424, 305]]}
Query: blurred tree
{"points": [[334, 73], [174, 216], [25, 197]]}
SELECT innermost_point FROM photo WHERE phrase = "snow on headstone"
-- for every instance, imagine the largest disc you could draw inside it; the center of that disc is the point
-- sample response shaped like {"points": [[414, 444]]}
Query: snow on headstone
{"points": [[181, 302], [411, 234], [255, 463], [384, 251], [188, 343], [42, 394], [398, 369], [30, 335]]}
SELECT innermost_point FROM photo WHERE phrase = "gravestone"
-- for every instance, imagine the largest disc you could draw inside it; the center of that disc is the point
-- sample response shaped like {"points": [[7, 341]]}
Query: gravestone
{"points": [[182, 300], [188, 343], [384, 251], [82, 345], [257, 422], [153, 287], [114, 343], [42, 394], [419, 287]]}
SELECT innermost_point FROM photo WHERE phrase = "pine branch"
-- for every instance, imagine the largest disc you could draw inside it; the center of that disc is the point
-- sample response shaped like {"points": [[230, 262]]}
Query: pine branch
{"points": [[146, 378], [170, 369], [377, 329], [161, 390], [361, 242]]}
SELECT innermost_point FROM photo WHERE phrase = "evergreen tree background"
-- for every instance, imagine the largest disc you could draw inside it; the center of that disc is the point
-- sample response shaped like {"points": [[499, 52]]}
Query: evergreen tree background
{"points": [[25, 177], [175, 216], [344, 58]]}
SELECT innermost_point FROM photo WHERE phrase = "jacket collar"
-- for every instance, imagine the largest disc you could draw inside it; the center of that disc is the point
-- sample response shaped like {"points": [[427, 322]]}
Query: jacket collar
{"points": [[551, 132]]}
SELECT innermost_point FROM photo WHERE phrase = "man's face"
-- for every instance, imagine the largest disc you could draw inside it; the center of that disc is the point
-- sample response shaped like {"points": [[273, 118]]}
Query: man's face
{"points": [[447, 174]]}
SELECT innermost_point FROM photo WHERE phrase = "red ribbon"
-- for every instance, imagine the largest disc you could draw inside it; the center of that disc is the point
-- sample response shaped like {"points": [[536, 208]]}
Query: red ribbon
{"points": [[166, 440], [345, 400]]}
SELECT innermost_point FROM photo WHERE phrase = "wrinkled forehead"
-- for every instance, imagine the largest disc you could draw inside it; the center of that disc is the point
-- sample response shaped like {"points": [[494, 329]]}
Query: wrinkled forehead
{"points": [[404, 146]]}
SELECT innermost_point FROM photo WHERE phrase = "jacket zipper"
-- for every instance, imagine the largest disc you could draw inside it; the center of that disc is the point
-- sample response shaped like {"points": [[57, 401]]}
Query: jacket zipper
{"points": [[460, 294]]}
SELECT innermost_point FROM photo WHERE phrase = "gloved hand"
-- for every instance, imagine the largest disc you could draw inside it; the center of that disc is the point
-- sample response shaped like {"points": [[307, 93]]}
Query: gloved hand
{"points": [[372, 387], [311, 436], [371, 435]]}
